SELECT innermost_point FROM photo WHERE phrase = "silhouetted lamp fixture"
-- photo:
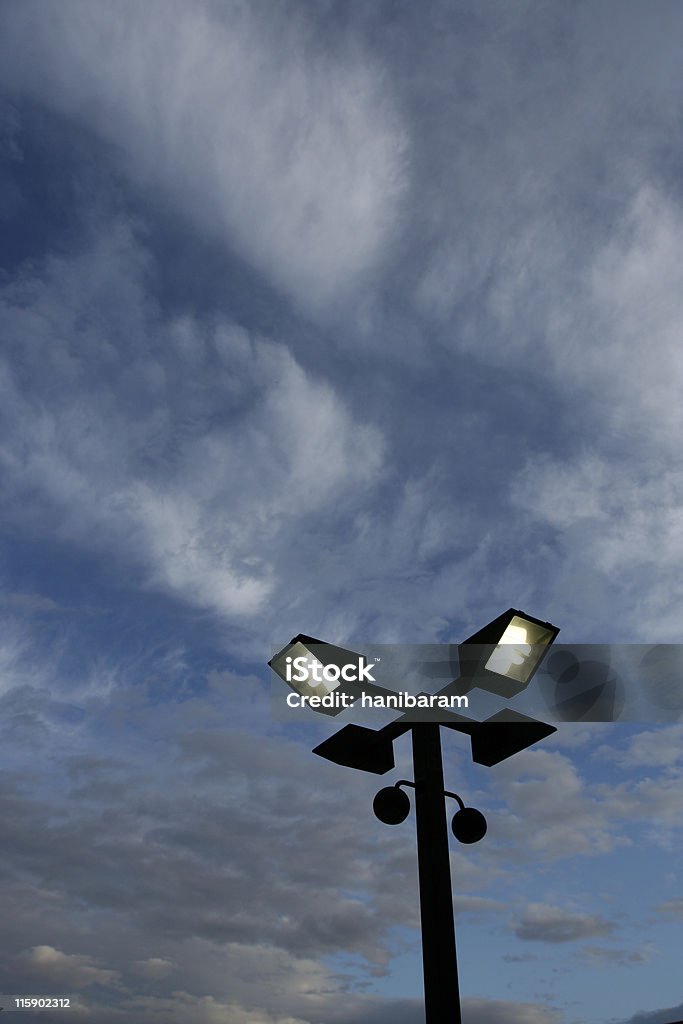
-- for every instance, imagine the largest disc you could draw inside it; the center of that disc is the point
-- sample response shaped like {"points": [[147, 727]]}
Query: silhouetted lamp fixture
{"points": [[313, 668], [392, 806], [502, 658], [468, 825]]}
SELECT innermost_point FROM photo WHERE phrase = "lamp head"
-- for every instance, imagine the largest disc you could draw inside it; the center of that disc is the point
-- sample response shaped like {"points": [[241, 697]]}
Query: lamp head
{"points": [[391, 805], [314, 668], [468, 825], [505, 654], [356, 746]]}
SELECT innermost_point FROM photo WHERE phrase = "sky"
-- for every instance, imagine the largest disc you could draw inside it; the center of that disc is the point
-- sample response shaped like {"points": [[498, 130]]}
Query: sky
{"points": [[358, 320]]}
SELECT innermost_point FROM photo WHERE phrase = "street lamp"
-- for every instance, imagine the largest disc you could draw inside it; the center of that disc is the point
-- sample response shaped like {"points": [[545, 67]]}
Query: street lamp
{"points": [[502, 658], [332, 676], [504, 655]]}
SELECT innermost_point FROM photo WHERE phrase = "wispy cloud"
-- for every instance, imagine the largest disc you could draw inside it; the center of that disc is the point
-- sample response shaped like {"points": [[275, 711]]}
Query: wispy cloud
{"points": [[543, 923], [672, 907], [285, 149], [192, 481], [601, 956]]}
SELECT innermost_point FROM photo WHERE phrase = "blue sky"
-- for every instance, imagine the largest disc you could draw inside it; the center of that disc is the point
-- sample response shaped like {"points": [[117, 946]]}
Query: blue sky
{"points": [[362, 321]]}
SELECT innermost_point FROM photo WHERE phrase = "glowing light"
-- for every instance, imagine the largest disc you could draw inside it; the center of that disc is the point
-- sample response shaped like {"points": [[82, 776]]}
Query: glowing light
{"points": [[512, 650]]}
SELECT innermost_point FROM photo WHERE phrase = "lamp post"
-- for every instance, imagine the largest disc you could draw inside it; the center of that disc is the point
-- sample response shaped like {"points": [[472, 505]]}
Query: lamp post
{"points": [[502, 657], [439, 960]]}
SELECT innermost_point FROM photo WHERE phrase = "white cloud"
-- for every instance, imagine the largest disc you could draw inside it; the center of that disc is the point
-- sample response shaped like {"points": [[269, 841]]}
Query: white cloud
{"points": [[291, 152], [550, 811], [553, 812], [660, 748], [633, 352], [154, 968], [587, 496], [610, 351], [192, 474], [617, 519], [48, 965], [656, 803], [570, 293], [617, 344], [180, 1007], [571, 736], [22, 662]]}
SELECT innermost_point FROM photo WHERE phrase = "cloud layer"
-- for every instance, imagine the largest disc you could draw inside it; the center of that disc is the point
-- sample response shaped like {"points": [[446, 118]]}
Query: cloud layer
{"points": [[356, 321], [291, 153]]}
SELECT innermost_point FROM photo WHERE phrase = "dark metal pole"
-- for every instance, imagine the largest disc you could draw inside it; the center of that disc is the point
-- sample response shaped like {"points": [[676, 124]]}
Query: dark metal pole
{"points": [[442, 995]]}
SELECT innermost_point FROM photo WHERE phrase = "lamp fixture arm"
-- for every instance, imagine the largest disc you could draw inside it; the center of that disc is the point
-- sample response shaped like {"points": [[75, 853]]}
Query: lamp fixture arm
{"points": [[446, 792]]}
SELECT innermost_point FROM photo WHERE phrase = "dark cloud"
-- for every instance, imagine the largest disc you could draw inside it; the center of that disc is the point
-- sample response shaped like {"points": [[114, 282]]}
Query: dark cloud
{"points": [[600, 956], [543, 923], [672, 907], [671, 1015]]}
